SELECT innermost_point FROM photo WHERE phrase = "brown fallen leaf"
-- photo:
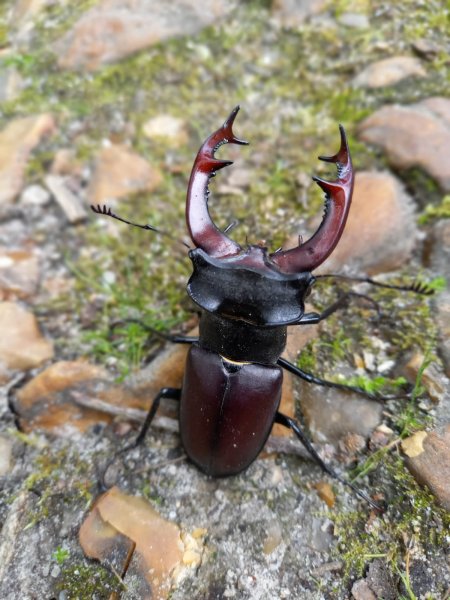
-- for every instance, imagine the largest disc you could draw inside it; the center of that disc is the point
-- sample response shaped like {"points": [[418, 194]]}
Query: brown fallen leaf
{"points": [[125, 533]]}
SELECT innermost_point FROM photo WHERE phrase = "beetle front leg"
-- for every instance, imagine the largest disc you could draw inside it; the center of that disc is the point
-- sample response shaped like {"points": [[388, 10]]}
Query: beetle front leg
{"points": [[294, 426]]}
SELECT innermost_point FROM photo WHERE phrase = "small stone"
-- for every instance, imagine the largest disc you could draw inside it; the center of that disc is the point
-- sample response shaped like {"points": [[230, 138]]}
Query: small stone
{"points": [[381, 229], [35, 195], [432, 379], [362, 591], [114, 29], [56, 570], [66, 163], [417, 135], [425, 49], [170, 128], [71, 205], [17, 140], [293, 13], [22, 345], [5, 454], [19, 273], [354, 20], [332, 414], [389, 71], [432, 466], [119, 172]]}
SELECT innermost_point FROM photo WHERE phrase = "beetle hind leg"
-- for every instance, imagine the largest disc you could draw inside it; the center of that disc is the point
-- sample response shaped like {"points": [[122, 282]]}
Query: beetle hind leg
{"points": [[169, 393], [293, 425]]}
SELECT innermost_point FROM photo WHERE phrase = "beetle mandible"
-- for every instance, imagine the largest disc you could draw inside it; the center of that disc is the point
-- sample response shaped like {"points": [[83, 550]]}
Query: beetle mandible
{"points": [[248, 297]]}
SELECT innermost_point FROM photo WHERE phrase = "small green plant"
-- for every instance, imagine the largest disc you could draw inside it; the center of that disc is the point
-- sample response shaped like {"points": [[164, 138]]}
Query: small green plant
{"points": [[60, 555], [433, 212]]}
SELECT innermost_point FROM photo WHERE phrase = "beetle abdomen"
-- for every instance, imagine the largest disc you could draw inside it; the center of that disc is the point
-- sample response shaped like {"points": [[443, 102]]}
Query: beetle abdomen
{"points": [[227, 410]]}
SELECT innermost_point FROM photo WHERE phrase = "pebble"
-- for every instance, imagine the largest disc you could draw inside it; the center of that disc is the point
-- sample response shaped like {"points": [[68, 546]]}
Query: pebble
{"points": [[389, 71], [5, 454], [114, 29], [35, 195], [19, 273], [293, 13], [354, 20], [22, 346], [17, 140], [119, 172], [417, 135]]}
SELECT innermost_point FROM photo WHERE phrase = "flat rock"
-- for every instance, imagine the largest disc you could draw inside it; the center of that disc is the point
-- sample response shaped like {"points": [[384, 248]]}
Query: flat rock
{"points": [[119, 172], [439, 260], [381, 230], [114, 29], [417, 135], [292, 13], [431, 467], [17, 140], [22, 345], [331, 415], [389, 72], [19, 273], [43, 403]]}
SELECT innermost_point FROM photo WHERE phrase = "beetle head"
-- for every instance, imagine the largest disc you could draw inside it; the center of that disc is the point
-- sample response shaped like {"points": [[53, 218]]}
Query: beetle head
{"points": [[251, 284]]}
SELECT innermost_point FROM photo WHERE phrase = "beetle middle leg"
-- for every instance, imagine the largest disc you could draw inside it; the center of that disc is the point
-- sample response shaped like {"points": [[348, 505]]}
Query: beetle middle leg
{"points": [[294, 426]]}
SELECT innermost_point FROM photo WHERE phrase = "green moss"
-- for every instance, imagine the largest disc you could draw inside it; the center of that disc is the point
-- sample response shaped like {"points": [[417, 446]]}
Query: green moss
{"points": [[411, 514], [86, 581], [50, 467], [435, 212]]}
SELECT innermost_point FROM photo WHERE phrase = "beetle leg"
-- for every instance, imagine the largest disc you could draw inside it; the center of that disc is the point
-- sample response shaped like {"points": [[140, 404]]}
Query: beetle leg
{"points": [[293, 425], [418, 287], [331, 384], [173, 394]]}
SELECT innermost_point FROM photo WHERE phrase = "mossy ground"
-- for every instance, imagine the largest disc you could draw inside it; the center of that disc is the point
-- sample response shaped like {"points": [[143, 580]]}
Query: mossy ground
{"points": [[294, 87]]}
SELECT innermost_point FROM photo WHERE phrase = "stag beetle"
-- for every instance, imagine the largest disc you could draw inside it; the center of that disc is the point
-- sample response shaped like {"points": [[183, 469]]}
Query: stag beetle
{"points": [[248, 297]]}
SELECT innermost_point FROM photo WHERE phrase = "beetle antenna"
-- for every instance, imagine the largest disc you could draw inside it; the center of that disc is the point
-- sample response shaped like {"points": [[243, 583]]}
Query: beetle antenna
{"points": [[105, 210], [418, 287]]}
